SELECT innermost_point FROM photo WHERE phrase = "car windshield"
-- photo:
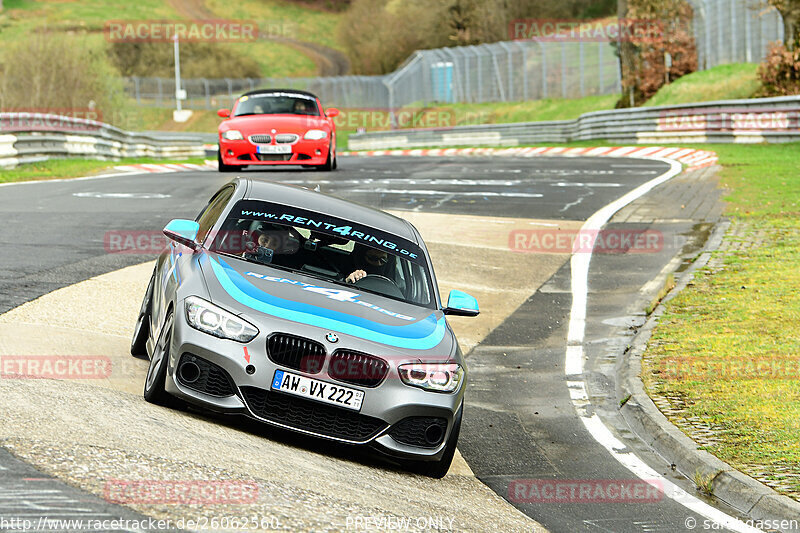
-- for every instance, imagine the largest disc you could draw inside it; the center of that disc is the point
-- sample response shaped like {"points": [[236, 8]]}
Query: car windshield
{"points": [[276, 104], [328, 248]]}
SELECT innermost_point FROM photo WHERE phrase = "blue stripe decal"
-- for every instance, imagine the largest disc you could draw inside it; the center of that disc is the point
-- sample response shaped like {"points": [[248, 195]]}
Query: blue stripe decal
{"points": [[421, 335]]}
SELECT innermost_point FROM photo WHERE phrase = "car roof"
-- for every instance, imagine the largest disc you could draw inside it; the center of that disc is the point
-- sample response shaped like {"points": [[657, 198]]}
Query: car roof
{"points": [[329, 205], [267, 91]]}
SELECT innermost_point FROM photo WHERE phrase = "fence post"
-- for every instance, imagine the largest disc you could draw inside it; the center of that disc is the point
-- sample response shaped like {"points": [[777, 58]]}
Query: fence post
{"points": [[748, 36], [544, 67], [136, 89], [581, 62], [524, 70], [734, 57], [563, 69], [208, 93], [600, 84], [160, 91], [510, 56]]}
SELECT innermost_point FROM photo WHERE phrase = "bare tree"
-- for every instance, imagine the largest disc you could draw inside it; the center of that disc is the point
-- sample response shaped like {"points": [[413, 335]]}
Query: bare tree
{"points": [[790, 12]]}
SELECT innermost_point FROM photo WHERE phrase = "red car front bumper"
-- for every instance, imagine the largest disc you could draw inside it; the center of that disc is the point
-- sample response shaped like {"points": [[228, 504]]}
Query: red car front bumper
{"points": [[304, 152]]}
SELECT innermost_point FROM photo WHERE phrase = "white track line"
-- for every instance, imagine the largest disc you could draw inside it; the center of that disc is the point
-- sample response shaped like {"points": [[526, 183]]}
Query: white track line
{"points": [[573, 367]]}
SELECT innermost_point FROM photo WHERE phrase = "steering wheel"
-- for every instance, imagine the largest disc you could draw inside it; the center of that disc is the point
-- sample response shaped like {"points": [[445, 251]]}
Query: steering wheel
{"points": [[379, 283]]}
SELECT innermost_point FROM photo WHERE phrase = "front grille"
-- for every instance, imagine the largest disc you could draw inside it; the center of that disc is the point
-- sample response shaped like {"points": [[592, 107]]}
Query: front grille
{"points": [[274, 157], [421, 431], [296, 352], [357, 368], [286, 138], [311, 416], [260, 139], [213, 379]]}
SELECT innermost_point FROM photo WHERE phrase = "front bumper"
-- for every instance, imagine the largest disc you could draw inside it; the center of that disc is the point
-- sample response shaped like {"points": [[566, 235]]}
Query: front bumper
{"points": [[386, 405], [303, 152]]}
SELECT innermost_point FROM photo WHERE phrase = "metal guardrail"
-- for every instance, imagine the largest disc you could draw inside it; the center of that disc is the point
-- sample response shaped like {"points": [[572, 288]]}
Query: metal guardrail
{"points": [[741, 121], [34, 137]]}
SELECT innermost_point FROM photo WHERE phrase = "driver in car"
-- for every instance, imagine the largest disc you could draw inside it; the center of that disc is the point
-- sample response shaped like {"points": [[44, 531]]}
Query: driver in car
{"points": [[301, 107], [369, 261], [266, 243]]}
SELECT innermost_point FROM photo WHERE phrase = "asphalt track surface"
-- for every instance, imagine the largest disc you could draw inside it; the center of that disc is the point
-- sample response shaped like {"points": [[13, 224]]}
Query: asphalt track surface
{"points": [[519, 422]]}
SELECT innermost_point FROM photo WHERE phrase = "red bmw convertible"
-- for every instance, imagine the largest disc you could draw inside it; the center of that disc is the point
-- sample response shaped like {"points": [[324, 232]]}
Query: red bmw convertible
{"points": [[277, 127]]}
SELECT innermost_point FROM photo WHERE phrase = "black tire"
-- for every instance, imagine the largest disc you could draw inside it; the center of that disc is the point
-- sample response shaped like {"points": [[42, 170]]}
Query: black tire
{"points": [[438, 469], [157, 371], [329, 162], [142, 330], [335, 162], [222, 167]]}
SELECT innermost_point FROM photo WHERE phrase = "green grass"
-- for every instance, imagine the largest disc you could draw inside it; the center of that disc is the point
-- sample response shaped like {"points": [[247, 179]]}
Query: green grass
{"points": [[22, 17], [724, 82], [744, 313], [285, 18], [73, 168]]}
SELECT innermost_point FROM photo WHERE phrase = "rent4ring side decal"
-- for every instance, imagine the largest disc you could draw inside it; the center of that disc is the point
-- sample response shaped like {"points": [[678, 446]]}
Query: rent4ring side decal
{"points": [[333, 294]]}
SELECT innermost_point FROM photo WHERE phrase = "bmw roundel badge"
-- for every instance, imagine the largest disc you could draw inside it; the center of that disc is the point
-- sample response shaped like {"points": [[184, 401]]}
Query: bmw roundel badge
{"points": [[332, 337]]}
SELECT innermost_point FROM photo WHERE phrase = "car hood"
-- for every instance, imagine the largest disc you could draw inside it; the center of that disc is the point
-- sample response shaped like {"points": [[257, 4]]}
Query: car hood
{"points": [[251, 124], [263, 294]]}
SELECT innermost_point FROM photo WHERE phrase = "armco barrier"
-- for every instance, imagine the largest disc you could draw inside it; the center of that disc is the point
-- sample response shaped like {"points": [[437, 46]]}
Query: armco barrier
{"points": [[740, 121], [33, 137]]}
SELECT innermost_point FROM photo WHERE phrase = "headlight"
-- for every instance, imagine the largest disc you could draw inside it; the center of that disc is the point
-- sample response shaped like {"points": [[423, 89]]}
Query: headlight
{"points": [[315, 135], [209, 318], [438, 377], [232, 135]]}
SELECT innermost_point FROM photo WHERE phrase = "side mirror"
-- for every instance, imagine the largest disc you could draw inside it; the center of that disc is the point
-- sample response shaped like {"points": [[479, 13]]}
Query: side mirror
{"points": [[183, 232], [224, 113], [461, 304], [332, 112]]}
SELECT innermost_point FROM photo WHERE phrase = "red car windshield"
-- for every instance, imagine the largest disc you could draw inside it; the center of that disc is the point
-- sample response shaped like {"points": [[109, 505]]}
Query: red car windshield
{"points": [[276, 104]]}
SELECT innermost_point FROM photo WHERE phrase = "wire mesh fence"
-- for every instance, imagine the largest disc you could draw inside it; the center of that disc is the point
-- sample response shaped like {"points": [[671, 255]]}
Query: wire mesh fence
{"points": [[726, 31], [734, 31], [506, 71]]}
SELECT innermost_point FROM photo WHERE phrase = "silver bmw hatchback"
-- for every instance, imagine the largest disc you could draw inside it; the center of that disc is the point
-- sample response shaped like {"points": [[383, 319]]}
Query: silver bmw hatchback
{"points": [[311, 313]]}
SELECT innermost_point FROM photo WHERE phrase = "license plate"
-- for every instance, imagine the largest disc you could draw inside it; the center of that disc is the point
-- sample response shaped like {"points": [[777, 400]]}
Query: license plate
{"points": [[274, 149], [315, 389]]}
